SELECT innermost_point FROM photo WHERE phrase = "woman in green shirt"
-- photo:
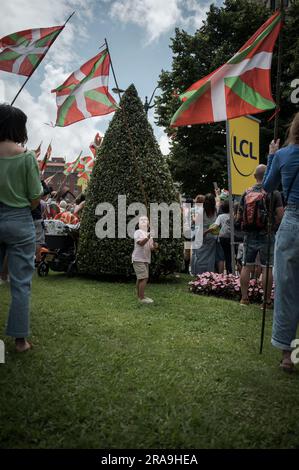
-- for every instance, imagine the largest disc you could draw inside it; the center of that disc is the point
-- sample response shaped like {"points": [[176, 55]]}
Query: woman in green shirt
{"points": [[20, 191]]}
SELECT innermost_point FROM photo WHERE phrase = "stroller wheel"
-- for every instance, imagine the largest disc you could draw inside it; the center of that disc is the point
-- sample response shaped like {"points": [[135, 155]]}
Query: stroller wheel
{"points": [[72, 269], [43, 269]]}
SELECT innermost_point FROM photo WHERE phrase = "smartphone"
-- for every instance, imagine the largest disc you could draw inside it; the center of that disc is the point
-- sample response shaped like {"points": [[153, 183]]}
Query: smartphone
{"points": [[215, 185]]}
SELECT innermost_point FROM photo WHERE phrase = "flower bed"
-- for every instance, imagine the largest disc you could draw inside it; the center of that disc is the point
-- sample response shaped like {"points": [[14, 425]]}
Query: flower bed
{"points": [[227, 286]]}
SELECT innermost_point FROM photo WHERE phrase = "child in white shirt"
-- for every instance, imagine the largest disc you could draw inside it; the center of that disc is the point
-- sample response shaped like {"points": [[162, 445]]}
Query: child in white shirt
{"points": [[141, 257]]}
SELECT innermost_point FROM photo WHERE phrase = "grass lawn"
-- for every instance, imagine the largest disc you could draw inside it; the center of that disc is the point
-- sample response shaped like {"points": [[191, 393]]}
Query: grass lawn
{"points": [[106, 372]]}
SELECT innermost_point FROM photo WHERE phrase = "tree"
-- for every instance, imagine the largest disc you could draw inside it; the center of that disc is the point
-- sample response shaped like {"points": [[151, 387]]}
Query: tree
{"points": [[130, 163], [198, 153]]}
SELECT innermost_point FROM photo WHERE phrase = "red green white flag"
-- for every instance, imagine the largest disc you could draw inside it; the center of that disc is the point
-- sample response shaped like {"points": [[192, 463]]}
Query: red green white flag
{"points": [[86, 165], [72, 166], [47, 156], [84, 171], [85, 93], [95, 145], [21, 52], [82, 165], [241, 86], [38, 150], [49, 179]]}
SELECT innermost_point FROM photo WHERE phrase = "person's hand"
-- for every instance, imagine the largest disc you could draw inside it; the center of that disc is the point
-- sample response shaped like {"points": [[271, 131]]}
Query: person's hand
{"points": [[274, 146], [156, 246]]}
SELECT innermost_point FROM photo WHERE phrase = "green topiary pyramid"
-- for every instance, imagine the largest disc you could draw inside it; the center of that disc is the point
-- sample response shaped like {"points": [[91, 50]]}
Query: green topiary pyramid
{"points": [[131, 164]]}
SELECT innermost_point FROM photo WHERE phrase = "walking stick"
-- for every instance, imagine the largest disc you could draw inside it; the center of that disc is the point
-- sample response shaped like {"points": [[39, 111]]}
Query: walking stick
{"points": [[270, 216]]}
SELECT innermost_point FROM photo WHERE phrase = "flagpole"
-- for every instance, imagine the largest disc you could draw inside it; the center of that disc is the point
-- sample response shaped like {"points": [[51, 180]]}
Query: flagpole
{"points": [[129, 134], [112, 68], [39, 61], [278, 77], [230, 196], [63, 181], [270, 217]]}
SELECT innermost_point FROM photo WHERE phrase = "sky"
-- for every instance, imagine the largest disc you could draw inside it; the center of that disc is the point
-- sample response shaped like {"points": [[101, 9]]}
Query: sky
{"points": [[138, 33]]}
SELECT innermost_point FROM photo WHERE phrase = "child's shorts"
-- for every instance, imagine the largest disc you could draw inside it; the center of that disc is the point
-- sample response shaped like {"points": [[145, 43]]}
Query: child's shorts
{"points": [[141, 269]]}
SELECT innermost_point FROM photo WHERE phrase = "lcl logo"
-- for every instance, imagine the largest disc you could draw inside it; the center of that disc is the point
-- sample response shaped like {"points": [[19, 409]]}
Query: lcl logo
{"points": [[243, 149], [240, 149]]}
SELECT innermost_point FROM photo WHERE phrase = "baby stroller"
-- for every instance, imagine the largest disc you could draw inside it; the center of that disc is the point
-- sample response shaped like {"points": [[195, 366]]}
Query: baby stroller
{"points": [[60, 255]]}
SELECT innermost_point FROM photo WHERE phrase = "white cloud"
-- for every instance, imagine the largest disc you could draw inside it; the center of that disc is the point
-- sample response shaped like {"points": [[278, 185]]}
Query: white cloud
{"points": [[197, 12], [67, 141], [155, 16], [164, 144], [23, 14], [36, 100], [160, 16], [57, 65]]}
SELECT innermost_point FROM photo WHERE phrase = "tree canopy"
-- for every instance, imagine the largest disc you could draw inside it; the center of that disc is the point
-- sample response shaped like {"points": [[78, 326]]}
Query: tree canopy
{"points": [[129, 163], [198, 153]]}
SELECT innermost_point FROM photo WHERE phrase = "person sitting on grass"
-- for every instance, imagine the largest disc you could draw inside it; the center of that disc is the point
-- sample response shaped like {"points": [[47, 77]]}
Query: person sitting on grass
{"points": [[141, 257]]}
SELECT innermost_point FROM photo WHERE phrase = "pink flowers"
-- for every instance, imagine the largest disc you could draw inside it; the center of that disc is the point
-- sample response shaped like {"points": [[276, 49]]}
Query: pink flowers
{"points": [[225, 285]]}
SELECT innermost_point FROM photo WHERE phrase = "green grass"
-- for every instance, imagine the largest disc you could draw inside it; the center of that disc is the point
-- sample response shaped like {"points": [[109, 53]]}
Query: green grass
{"points": [[106, 372]]}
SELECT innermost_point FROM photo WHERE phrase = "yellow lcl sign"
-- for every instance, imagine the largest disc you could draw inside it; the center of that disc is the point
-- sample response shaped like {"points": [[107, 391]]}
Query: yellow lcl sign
{"points": [[244, 139]]}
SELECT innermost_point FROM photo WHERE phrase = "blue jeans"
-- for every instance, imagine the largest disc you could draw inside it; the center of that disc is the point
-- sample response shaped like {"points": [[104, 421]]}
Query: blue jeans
{"points": [[17, 241], [286, 278], [203, 258]]}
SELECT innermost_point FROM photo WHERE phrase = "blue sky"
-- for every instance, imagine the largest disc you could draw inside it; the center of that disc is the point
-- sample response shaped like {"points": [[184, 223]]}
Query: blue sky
{"points": [[138, 33]]}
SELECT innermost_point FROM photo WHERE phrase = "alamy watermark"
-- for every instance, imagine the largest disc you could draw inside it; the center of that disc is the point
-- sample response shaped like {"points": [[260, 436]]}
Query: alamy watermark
{"points": [[295, 352], [165, 220], [295, 93], [2, 352]]}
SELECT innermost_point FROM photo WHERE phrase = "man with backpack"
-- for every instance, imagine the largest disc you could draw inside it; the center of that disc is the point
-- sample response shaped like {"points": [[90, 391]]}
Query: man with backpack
{"points": [[254, 213]]}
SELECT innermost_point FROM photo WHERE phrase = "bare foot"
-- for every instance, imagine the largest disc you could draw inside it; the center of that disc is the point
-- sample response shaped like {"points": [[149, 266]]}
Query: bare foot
{"points": [[286, 363], [22, 345]]}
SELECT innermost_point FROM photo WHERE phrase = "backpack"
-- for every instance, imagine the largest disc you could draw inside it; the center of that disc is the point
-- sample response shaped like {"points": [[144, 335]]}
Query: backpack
{"points": [[255, 210]]}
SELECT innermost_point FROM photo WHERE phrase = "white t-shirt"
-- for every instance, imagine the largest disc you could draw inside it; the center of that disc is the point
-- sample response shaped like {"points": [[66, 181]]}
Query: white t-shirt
{"points": [[223, 220], [142, 253]]}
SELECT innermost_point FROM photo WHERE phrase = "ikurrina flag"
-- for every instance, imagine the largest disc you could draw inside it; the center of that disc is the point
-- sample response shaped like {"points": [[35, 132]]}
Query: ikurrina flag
{"points": [[239, 87], [47, 156], [21, 52], [80, 165], [38, 150], [72, 166], [96, 144], [85, 93], [84, 171], [86, 165]]}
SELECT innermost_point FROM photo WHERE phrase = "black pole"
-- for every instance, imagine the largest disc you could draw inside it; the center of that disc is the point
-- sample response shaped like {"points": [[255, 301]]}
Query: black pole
{"points": [[153, 94], [112, 68], [39, 61], [270, 216], [147, 104]]}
